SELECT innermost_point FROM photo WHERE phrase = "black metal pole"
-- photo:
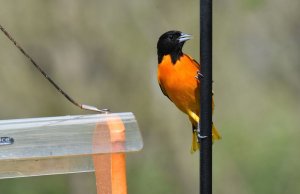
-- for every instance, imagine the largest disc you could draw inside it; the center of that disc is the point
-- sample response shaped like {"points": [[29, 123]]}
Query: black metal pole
{"points": [[206, 96]]}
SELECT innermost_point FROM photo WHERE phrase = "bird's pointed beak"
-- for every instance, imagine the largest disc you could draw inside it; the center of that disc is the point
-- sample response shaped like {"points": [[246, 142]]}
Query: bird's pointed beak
{"points": [[184, 37]]}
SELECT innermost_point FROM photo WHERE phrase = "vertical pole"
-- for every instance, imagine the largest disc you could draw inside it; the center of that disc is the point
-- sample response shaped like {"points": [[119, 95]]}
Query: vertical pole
{"points": [[206, 96]]}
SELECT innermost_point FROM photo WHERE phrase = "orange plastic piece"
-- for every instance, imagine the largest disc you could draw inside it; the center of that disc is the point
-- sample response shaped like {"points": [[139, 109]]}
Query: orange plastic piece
{"points": [[110, 169]]}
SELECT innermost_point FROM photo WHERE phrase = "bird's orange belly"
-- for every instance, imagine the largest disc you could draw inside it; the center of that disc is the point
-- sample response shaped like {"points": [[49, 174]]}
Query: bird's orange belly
{"points": [[182, 90], [179, 82]]}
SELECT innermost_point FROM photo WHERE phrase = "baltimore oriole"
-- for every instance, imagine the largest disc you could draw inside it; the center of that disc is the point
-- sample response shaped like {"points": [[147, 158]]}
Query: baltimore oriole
{"points": [[178, 79]]}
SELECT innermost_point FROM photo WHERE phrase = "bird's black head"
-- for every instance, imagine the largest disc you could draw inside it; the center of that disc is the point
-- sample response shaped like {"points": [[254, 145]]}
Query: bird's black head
{"points": [[171, 43]]}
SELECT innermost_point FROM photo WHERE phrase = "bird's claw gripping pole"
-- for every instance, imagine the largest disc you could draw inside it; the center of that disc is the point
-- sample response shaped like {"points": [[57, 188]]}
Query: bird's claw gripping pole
{"points": [[199, 136], [199, 75]]}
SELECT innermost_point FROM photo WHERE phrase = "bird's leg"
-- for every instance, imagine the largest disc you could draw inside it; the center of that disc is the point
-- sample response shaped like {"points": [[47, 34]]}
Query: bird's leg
{"points": [[195, 131], [199, 133], [199, 75]]}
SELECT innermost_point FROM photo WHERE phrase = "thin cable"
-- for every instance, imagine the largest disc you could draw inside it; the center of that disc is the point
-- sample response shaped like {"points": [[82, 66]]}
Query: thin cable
{"points": [[82, 106]]}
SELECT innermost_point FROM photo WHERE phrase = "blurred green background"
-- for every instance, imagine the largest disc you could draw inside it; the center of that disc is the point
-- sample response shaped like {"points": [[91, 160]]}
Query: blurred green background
{"points": [[103, 53]]}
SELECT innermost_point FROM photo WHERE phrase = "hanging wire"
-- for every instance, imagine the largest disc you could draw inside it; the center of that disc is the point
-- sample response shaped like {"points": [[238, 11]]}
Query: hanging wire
{"points": [[68, 97]]}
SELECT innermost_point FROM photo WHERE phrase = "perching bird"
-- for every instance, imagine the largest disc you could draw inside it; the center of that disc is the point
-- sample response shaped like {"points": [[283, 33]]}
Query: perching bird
{"points": [[177, 77]]}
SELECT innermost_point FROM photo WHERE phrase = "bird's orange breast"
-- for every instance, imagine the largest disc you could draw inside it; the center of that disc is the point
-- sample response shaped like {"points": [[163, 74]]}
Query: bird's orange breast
{"points": [[179, 82]]}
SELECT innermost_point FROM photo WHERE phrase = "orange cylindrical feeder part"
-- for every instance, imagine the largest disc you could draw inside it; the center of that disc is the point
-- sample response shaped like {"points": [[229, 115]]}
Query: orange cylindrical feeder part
{"points": [[110, 168]]}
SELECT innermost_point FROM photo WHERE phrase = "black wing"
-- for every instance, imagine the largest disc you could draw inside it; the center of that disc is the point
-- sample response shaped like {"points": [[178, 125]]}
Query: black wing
{"points": [[164, 91], [198, 65]]}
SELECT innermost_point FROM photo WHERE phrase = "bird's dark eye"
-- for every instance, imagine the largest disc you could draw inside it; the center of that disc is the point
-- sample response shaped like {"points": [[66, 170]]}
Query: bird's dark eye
{"points": [[171, 37]]}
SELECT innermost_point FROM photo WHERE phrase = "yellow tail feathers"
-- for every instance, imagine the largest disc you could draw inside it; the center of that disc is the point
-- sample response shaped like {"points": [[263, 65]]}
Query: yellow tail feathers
{"points": [[196, 146]]}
